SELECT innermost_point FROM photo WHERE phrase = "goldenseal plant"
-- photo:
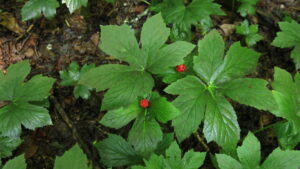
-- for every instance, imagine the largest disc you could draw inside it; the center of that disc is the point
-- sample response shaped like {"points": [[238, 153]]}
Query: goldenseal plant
{"points": [[202, 97], [250, 33], [247, 7], [249, 157], [21, 98], [129, 94], [125, 83]]}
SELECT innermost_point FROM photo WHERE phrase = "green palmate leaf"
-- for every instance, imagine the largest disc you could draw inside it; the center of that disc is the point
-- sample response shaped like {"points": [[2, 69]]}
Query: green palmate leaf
{"points": [[220, 123], [182, 17], [289, 37], [249, 157], [253, 39], [227, 162], [35, 8], [202, 98], [7, 145], [279, 159], [173, 156], [239, 61], [155, 162], [165, 143], [249, 152], [17, 162], [30, 116], [173, 159], [163, 110], [144, 135], [73, 158], [210, 55], [74, 4], [250, 33], [82, 91], [71, 77], [20, 95], [126, 83], [247, 7], [250, 91], [191, 101], [190, 160], [287, 137], [118, 118], [287, 93], [193, 160], [115, 151], [120, 42], [162, 33]]}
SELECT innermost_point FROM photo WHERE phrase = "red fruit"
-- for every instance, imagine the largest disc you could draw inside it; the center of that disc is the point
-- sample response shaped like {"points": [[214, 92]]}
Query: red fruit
{"points": [[181, 68], [144, 103]]}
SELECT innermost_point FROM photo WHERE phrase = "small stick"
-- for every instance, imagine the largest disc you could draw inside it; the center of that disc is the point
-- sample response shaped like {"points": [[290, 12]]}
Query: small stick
{"points": [[199, 138], [76, 135]]}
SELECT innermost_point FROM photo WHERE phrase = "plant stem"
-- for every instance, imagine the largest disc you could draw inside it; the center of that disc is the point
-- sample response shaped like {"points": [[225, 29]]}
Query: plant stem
{"points": [[146, 2], [76, 135], [201, 141], [268, 126]]}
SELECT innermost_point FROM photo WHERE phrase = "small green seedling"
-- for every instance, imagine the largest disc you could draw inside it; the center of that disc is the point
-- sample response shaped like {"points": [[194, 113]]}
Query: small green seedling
{"points": [[249, 157], [247, 7], [71, 77], [250, 33]]}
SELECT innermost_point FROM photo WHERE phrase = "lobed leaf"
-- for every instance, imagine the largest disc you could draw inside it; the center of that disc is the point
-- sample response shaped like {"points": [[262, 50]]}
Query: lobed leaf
{"points": [[115, 151], [35, 8], [75, 4], [73, 158], [145, 135]]}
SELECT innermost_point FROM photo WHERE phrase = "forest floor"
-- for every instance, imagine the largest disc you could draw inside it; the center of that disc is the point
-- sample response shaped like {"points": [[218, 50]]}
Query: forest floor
{"points": [[51, 45]]}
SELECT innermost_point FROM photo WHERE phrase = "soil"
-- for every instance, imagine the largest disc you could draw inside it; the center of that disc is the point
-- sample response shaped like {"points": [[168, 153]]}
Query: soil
{"points": [[51, 45]]}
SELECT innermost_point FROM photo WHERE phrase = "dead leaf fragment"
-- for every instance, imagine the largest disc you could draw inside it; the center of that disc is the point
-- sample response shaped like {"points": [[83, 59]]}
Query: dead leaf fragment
{"points": [[9, 21], [227, 29]]}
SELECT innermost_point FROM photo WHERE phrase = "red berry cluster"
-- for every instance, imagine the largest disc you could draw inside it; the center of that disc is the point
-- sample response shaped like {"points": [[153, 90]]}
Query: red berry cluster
{"points": [[180, 68], [144, 103]]}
